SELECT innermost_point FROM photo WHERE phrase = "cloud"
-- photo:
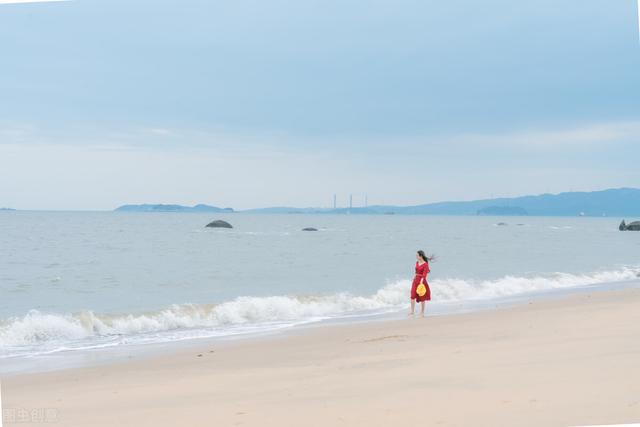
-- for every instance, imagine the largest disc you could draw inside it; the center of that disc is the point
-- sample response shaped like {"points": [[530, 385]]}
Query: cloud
{"points": [[590, 135], [29, 1], [83, 177], [102, 168], [159, 131]]}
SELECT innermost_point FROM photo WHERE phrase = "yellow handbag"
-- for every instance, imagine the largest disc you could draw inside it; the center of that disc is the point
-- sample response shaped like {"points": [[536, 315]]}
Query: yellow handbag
{"points": [[421, 290]]}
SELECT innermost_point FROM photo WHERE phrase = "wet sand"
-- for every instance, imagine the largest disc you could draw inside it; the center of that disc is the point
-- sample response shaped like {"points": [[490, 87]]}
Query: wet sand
{"points": [[561, 362]]}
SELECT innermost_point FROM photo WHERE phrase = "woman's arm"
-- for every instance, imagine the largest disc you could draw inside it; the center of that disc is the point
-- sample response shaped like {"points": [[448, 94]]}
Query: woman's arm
{"points": [[425, 271]]}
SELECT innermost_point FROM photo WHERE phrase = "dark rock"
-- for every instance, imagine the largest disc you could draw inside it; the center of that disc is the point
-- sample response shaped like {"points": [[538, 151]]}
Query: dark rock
{"points": [[309, 229], [219, 224], [632, 226], [502, 224]]}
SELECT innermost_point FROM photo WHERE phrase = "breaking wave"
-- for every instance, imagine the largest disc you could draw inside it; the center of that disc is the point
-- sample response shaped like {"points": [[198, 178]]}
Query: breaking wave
{"points": [[38, 332]]}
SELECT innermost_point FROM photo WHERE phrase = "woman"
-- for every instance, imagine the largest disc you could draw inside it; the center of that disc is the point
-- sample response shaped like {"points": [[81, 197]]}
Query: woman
{"points": [[422, 269]]}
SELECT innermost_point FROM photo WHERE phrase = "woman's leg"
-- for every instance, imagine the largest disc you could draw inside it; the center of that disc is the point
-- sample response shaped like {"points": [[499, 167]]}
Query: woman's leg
{"points": [[413, 306], [422, 304]]}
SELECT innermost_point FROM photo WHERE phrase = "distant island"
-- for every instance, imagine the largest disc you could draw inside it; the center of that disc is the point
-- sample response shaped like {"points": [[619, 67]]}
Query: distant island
{"points": [[171, 208], [619, 202], [7, 209]]}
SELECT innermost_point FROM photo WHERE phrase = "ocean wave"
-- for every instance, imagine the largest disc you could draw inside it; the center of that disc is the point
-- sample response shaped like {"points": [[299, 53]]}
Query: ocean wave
{"points": [[457, 290], [37, 328]]}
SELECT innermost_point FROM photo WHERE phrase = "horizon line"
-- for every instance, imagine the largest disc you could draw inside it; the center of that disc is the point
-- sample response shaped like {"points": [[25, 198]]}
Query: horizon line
{"points": [[8, 208]]}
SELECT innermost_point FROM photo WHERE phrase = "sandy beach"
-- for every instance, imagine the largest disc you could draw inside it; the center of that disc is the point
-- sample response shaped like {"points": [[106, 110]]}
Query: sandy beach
{"points": [[561, 362]]}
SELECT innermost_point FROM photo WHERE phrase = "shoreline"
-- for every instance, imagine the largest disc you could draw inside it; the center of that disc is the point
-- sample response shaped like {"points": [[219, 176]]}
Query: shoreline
{"points": [[570, 360], [97, 356]]}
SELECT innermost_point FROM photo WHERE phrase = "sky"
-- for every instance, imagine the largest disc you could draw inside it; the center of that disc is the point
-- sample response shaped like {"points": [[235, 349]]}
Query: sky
{"points": [[249, 103]]}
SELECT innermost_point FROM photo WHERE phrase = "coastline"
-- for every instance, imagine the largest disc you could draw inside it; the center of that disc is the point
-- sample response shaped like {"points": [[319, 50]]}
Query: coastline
{"points": [[570, 360], [70, 358]]}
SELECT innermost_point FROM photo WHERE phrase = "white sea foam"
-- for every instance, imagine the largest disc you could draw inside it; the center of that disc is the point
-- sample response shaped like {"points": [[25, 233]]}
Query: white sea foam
{"points": [[45, 332]]}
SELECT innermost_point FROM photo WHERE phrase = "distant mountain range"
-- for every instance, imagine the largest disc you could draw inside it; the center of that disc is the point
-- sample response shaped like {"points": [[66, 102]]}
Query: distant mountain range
{"points": [[620, 202], [614, 202], [171, 208]]}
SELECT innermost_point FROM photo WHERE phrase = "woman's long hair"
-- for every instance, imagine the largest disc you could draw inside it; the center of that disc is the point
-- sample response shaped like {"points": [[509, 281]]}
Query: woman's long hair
{"points": [[426, 258]]}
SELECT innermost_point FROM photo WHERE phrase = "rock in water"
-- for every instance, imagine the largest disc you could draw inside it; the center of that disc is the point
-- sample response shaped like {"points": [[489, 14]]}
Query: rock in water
{"points": [[632, 226], [309, 229], [219, 224]]}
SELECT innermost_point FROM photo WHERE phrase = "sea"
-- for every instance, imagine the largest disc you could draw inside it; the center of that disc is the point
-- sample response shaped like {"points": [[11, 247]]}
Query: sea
{"points": [[78, 286]]}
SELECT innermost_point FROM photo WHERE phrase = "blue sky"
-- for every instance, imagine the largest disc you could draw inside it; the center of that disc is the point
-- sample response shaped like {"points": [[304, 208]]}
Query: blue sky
{"points": [[253, 103]]}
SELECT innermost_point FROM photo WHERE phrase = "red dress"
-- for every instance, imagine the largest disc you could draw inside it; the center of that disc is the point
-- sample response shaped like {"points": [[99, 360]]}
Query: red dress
{"points": [[421, 276]]}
